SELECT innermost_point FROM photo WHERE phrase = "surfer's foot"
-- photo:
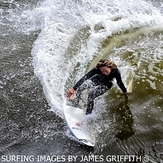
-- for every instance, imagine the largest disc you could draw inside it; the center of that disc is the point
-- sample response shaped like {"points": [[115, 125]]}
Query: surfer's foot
{"points": [[79, 124]]}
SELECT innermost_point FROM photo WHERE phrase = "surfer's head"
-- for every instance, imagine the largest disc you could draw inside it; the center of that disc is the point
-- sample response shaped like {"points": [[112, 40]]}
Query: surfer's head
{"points": [[106, 66]]}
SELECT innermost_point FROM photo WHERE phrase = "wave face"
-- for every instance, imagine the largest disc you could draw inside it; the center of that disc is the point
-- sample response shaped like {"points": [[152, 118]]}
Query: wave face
{"points": [[75, 34], [62, 40]]}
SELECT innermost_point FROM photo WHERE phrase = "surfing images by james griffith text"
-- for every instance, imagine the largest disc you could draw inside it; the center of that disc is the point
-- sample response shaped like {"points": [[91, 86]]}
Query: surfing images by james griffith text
{"points": [[73, 158]]}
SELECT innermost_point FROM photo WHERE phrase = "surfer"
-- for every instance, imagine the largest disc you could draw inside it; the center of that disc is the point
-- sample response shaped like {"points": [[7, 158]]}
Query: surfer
{"points": [[100, 79]]}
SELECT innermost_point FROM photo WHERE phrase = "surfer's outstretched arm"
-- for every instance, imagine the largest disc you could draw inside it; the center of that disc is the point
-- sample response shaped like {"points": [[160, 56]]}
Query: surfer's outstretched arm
{"points": [[88, 75]]}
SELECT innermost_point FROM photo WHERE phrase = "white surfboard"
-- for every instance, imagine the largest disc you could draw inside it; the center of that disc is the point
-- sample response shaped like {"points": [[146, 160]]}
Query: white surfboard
{"points": [[73, 116]]}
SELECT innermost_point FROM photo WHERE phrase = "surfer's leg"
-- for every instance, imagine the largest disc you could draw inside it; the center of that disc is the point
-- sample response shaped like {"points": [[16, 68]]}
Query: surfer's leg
{"points": [[87, 84], [99, 90]]}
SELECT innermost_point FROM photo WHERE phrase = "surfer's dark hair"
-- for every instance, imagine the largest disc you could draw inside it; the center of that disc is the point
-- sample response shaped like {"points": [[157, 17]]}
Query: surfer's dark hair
{"points": [[107, 63]]}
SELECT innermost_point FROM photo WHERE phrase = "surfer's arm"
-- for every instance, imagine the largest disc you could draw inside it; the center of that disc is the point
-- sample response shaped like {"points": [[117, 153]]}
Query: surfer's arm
{"points": [[92, 72], [120, 83], [85, 77]]}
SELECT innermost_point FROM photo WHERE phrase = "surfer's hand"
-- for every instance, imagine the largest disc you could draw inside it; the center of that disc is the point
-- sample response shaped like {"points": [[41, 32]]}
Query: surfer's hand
{"points": [[127, 93], [70, 92]]}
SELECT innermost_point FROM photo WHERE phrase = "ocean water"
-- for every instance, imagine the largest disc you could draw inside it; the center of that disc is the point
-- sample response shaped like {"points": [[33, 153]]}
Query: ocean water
{"points": [[47, 45]]}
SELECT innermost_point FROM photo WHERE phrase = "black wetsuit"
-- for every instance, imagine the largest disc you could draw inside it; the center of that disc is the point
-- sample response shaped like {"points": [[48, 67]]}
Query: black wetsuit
{"points": [[101, 82]]}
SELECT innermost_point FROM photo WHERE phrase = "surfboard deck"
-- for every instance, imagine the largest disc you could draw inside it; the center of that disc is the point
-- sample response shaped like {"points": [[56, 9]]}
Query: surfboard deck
{"points": [[73, 116]]}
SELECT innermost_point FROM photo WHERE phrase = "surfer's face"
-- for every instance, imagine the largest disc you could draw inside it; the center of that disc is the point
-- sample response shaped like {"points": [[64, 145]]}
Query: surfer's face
{"points": [[105, 70]]}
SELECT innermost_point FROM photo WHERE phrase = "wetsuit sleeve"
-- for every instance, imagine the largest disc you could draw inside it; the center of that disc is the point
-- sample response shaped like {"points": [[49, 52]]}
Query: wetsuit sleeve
{"points": [[119, 81], [85, 77]]}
